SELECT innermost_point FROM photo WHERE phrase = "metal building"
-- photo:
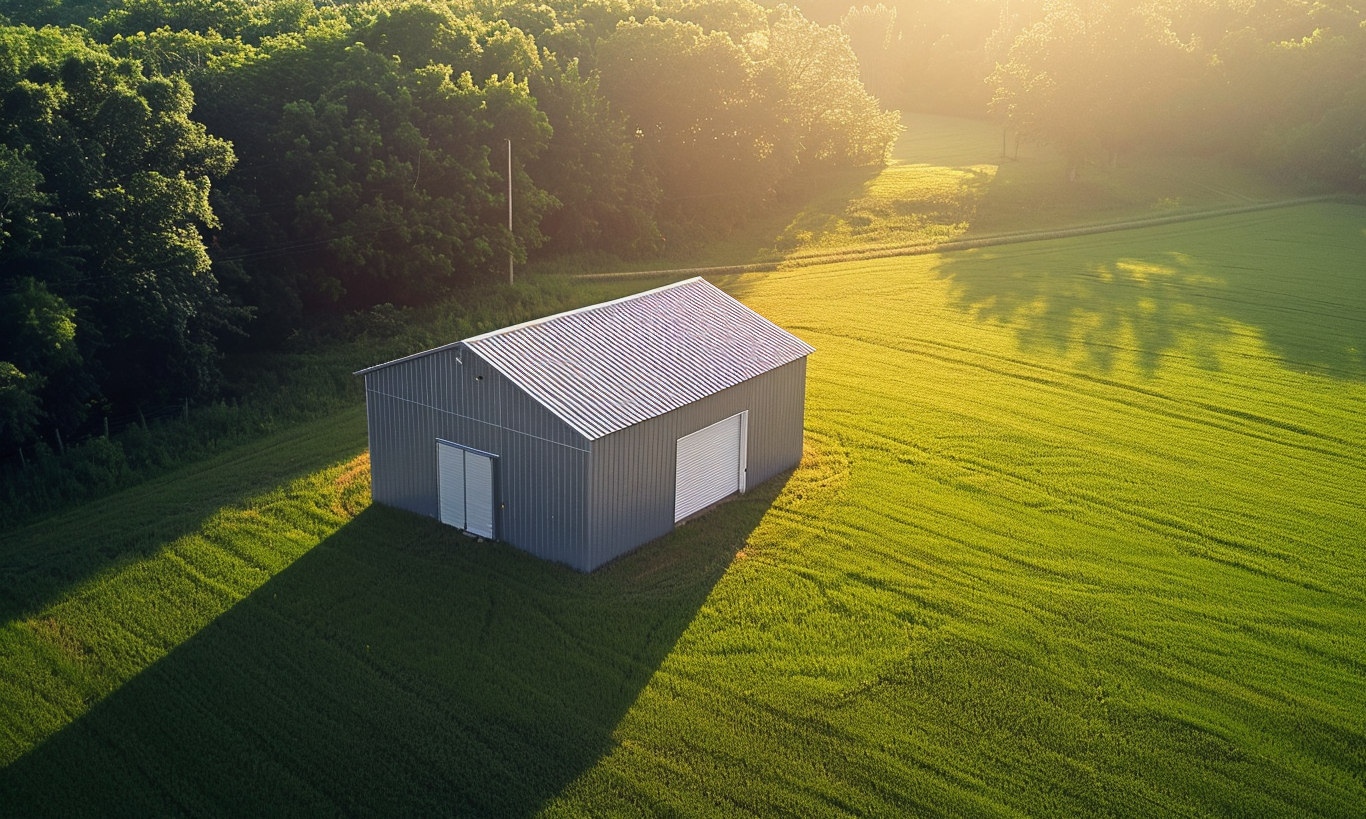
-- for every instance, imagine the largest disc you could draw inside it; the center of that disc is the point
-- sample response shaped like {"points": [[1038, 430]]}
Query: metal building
{"points": [[581, 436]]}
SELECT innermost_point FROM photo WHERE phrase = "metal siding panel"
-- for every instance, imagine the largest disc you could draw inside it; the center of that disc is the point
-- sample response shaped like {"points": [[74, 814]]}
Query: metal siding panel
{"points": [[584, 374], [632, 489], [522, 413], [402, 458], [634, 470], [544, 486], [562, 503]]}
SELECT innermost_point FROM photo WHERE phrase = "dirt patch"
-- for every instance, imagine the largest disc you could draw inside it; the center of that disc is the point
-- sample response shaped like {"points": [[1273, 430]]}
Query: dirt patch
{"points": [[351, 487], [820, 477], [60, 636]]}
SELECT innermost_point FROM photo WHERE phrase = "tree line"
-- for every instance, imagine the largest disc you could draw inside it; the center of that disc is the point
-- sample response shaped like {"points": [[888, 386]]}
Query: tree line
{"points": [[183, 177], [1279, 83]]}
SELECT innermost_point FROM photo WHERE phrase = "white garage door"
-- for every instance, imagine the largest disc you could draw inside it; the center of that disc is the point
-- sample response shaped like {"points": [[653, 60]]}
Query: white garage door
{"points": [[711, 465], [465, 488]]}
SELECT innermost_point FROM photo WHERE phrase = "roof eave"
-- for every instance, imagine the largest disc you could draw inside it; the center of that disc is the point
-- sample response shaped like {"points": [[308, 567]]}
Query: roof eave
{"points": [[432, 351]]}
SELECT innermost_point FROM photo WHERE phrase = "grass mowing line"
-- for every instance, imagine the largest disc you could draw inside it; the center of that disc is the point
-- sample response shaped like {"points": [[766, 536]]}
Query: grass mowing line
{"points": [[813, 258], [946, 185], [1060, 232], [1064, 381], [276, 668], [38, 560]]}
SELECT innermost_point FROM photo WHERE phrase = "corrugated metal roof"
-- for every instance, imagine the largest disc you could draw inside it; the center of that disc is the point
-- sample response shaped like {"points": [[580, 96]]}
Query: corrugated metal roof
{"points": [[605, 367]]}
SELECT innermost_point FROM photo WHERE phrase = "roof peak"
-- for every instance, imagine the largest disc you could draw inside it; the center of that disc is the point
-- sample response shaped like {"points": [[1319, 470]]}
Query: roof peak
{"points": [[532, 323], [589, 308]]}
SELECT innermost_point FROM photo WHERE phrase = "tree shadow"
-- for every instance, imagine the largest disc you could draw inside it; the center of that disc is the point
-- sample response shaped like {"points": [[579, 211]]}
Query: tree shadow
{"points": [[398, 668], [803, 207], [41, 562], [1104, 303], [815, 205]]}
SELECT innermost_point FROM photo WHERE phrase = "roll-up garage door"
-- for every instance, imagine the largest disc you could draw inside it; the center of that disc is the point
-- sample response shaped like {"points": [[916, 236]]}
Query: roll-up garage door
{"points": [[465, 488], [711, 465]]}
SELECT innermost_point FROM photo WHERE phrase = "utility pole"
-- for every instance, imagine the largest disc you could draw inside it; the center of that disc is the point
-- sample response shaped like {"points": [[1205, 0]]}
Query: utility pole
{"points": [[510, 239]]}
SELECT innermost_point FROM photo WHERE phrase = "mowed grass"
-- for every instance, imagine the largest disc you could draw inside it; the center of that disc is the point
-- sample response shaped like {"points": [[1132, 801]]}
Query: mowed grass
{"points": [[1079, 531], [92, 597]]}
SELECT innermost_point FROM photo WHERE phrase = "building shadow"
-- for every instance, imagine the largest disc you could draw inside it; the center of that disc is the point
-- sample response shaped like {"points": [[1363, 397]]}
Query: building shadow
{"points": [[41, 562], [398, 668]]}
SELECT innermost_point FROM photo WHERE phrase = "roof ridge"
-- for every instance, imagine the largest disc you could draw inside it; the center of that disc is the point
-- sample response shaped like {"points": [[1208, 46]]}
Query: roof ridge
{"points": [[532, 323], [589, 308]]}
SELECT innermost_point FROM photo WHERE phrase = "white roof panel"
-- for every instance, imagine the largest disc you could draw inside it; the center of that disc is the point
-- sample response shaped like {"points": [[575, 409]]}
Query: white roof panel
{"points": [[609, 366]]}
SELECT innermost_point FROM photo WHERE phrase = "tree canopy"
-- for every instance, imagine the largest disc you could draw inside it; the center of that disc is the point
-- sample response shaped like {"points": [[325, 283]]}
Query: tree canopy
{"points": [[110, 290], [180, 177], [1279, 83]]}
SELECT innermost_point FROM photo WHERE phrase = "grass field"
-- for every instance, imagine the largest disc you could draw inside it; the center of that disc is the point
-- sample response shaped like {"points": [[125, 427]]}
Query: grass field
{"points": [[946, 180], [1079, 532]]}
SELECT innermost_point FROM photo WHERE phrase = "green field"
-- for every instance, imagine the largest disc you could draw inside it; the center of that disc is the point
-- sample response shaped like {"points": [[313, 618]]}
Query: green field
{"points": [[946, 179], [1079, 532]]}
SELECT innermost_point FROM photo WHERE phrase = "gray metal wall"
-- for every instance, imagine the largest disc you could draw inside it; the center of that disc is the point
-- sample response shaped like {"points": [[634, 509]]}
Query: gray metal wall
{"points": [[562, 498], [542, 472], [633, 470]]}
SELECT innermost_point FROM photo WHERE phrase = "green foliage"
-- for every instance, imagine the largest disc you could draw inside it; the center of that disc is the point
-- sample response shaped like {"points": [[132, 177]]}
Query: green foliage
{"points": [[590, 167], [928, 56], [398, 194], [699, 122], [106, 280], [725, 109], [947, 181], [166, 52], [264, 394], [19, 192], [1090, 78], [405, 202], [1282, 83], [1318, 87], [827, 112], [20, 408], [48, 480]]}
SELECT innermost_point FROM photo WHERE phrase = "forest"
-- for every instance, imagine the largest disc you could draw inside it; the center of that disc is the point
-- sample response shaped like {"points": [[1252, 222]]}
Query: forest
{"points": [[187, 180]]}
